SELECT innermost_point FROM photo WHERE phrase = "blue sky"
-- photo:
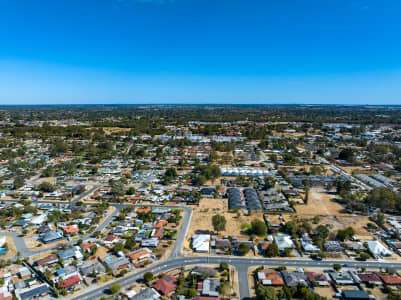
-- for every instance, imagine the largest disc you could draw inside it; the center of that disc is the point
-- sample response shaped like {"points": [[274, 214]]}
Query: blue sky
{"points": [[200, 51]]}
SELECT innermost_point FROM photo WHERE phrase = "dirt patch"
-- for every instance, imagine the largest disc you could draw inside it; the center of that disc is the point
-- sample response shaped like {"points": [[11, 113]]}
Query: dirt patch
{"points": [[202, 217], [33, 244], [320, 203], [47, 179], [357, 170], [12, 250], [327, 292]]}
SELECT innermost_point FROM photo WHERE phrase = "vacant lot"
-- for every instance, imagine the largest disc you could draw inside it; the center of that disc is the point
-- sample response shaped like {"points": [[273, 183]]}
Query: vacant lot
{"points": [[12, 250], [320, 203], [202, 217]]}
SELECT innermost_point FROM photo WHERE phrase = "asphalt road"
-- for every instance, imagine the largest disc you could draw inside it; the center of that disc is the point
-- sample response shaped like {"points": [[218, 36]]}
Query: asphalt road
{"points": [[242, 265]]}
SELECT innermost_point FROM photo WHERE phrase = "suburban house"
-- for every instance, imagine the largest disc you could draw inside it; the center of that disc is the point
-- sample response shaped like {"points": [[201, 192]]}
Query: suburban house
{"points": [[89, 268], [46, 261], [140, 254], [116, 264], [377, 249], [165, 285], [200, 242], [52, 236], [211, 287], [342, 278], [321, 279], [295, 278], [369, 278], [268, 277], [283, 242], [70, 282]]}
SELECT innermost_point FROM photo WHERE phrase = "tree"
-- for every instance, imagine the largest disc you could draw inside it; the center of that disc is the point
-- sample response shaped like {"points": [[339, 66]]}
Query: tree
{"points": [[322, 232], [18, 182], [343, 186], [266, 293], [223, 266], [200, 180], [380, 219], [345, 234], [307, 190], [191, 292], [347, 154], [47, 274], [219, 222], [117, 189], [272, 250], [131, 191], [258, 227], [148, 276], [243, 249], [118, 247], [287, 252], [291, 227], [46, 187], [337, 267], [169, 175], [130, 244], [364, 256], [115, 287]]}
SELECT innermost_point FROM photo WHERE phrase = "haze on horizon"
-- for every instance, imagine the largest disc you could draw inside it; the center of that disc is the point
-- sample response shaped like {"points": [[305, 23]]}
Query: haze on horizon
{"points": [[200, 51]]}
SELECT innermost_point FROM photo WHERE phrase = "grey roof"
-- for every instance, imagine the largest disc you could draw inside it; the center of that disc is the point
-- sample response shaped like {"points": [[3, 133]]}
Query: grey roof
{"points": [[65, 254], [116, 263], [146, 294], [252, 199], [235, 198], [333, 246], [34, 292], [294, 278], [90, 267], [342, 277], [354, 294], [211, 287], [51, 236]]}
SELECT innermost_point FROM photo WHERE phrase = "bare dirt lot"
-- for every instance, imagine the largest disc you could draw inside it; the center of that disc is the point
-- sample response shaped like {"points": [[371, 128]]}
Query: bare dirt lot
{"points": [[12, 250], [321, 203], [202, 217], [332, 214]]}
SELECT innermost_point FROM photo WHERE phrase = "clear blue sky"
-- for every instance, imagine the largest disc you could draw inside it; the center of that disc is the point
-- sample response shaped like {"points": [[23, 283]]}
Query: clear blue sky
{"points": [[200, 51]]}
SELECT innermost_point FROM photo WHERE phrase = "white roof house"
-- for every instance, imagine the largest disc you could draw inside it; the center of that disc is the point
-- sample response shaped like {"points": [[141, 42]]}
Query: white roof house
{"points": [[39, 219], [200, 242], [2, 241], [283, 241], [378, 249], [309, 247]]}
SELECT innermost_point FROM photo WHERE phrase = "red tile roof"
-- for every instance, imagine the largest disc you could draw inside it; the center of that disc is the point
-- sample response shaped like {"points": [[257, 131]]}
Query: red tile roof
{"points": [[391, 279], [275, 277], [69, 282], [160, 224], [138, 254], [47, 260], [111, 237], [87, 246], [369, 277], [165, 285], [71, 229]]}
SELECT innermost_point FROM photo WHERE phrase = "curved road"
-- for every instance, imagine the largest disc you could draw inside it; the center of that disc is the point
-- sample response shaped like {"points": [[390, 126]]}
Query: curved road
{"points": [[175, 260], [242, 265]]}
